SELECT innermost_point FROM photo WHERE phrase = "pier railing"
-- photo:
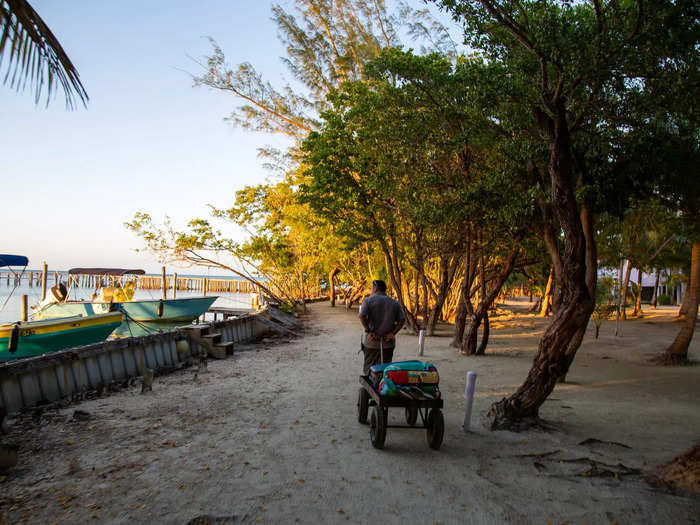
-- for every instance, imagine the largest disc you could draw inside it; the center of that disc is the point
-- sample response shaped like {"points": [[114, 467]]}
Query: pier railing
{"points": [[203, 285]]}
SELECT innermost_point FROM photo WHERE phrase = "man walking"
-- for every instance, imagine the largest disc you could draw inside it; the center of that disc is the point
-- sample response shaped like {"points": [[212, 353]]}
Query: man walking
{"points": [[382, 319]]}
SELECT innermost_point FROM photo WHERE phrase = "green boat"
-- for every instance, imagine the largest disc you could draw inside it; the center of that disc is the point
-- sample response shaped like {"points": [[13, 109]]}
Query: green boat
{"points": [[33, 338]]}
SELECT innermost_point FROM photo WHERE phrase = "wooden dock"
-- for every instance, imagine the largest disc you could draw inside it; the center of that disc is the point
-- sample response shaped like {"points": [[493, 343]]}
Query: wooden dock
{"points": [[204, 285]]}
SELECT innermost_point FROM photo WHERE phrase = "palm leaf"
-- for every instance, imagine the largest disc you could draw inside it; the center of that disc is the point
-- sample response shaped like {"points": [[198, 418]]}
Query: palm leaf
{"points": [[35, 56]]}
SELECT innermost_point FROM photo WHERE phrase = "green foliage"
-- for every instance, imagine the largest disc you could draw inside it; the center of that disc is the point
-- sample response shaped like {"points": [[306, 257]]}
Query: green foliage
{"points": [[604, 302], [647, 234], [34, 56], [327, 42], [664, 300]]}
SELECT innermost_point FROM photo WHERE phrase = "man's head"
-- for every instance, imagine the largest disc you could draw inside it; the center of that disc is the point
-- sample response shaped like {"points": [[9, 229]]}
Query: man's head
{"points": [[378, 286]]}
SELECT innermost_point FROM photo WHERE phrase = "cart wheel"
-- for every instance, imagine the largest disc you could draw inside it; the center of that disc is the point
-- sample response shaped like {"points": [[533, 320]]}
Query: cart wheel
{"points": [[362, 406], [411, 415], [435, 428], [377, 427]]}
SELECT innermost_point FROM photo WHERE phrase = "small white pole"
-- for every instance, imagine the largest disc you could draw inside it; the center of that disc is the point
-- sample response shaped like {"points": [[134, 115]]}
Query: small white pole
{"points": [[469, 395], [421, 341]]}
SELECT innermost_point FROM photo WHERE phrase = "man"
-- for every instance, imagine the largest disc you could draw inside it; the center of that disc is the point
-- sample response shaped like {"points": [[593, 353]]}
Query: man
{"points": [[382, 319]]}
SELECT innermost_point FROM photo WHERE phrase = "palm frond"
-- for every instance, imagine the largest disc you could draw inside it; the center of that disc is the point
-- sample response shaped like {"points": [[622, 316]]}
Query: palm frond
{"points": [[35, 56]]}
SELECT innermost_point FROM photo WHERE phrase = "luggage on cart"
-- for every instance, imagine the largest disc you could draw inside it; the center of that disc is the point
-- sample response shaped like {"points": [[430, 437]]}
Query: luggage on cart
{"points": [[410, 379]]}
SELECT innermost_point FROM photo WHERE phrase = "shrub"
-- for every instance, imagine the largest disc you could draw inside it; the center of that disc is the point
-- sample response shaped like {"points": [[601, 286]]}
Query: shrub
{"points": [[663, 300]]}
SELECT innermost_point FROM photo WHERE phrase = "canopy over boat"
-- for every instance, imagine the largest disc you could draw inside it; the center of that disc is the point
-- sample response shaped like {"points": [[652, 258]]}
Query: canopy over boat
{"points": [[13, 260], [104, 271]]}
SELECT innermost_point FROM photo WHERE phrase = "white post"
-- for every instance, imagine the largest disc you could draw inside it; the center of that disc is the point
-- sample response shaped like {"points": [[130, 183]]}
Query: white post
{"points": [[469, 395], [421, 341]]}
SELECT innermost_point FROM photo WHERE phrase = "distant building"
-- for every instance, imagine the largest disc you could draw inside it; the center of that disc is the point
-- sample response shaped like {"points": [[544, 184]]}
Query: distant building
{"points": [[675, 292]]}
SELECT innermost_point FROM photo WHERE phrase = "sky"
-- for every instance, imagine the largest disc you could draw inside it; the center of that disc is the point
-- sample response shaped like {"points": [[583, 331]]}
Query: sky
{"points": [[148, 141]]}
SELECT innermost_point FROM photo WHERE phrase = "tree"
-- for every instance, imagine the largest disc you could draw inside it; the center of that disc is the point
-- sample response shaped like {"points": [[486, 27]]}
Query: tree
{"points": [[327, 42], [574, 52], [665, 137], [374, 156], [35, 55]]}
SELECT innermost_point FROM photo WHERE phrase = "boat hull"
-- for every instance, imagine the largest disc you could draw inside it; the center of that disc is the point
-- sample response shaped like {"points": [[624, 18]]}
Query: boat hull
{"points": [[185, 309], [41, 337]]}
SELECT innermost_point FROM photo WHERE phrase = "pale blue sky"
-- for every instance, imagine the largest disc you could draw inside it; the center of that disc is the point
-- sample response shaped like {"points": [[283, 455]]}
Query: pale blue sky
{"points": [[148, 141]]}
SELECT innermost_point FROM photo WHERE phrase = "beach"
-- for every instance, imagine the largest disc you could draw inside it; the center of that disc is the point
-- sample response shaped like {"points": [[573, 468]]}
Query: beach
{"points": [[271, 435]]}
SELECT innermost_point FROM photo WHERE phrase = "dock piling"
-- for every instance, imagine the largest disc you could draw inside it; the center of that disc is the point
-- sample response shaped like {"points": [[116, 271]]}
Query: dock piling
{"points": [[44, 270], [25, 309]]}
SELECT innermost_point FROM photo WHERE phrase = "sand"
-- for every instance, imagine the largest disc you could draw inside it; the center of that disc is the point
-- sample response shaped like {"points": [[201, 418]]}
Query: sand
{"points": [[271, 436]]}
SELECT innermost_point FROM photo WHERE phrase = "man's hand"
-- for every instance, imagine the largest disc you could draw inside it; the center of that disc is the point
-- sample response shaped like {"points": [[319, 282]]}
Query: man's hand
{"points": [[371, 336], [388, 338]]}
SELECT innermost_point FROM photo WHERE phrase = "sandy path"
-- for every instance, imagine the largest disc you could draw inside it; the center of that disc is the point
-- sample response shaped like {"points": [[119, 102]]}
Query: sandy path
{"points": [[271, 436]]}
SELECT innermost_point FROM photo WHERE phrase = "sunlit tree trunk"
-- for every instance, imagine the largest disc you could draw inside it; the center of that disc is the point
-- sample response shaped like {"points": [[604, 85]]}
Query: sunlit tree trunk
{"points": [[485, 332], [619, 297], [625, 287], [547, 296], [677, 353], [638, 303], [485, 299], [448, 267], [331, 284]]}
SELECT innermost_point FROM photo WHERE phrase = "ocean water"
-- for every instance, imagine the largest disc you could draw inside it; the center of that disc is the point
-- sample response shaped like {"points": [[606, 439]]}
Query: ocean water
{"points": [[13, 308]]}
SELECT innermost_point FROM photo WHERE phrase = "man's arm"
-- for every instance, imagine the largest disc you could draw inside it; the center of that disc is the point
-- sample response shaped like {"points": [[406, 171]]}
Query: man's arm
{"points": [[398, 324], [364, 310], [363, 320]]}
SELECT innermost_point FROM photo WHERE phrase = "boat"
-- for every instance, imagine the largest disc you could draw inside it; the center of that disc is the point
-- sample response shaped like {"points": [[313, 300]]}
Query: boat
{"points": [[118, 296], [31, 338]]}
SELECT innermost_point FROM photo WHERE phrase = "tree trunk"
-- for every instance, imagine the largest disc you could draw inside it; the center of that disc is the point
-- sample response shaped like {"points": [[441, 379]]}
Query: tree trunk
{"points": [[482, 293], [416, 292], [331, 283], [685, 304], [655, 297], [547, 297], [448, 268], [625, 285], [485, 300], [475, 319], [677, 353], [484, 336], [587, 221], [424, 309], [465, 290], [396, 283], [619, 297], [460, 316], [638, 302], [521, 409], [470, 336]]}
